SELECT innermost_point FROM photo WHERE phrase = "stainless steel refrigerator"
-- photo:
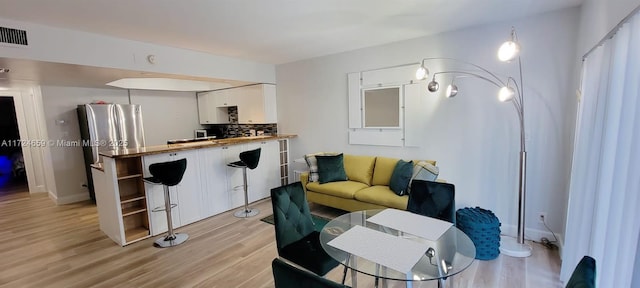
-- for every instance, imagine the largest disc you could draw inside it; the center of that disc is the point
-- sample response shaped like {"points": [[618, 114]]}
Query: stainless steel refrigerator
{"points": [[105, 127]]}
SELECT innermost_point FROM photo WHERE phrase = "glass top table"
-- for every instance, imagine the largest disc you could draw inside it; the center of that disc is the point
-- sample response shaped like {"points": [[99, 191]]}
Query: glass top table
{"points": [[442, 256]]}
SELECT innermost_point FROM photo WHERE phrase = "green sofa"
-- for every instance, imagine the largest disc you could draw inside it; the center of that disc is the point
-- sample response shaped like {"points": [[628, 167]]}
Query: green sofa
{"points": [[367, 186]]}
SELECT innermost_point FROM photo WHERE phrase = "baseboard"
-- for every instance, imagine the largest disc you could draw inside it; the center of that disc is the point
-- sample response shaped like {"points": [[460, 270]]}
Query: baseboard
{"points": [[534, 235], [38, 189], [68, 199], [53, 197]]}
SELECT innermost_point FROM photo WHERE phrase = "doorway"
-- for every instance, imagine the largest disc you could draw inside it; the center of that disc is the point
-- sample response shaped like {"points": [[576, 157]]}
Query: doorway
{"points": [[13, 176]]}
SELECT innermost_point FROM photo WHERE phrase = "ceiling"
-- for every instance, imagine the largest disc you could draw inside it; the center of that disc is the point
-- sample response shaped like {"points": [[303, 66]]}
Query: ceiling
{"points": [[275, 31]]}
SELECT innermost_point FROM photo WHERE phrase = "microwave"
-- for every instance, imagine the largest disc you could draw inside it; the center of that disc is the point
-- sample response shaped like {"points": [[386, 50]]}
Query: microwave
{"points": [[201, 133]]}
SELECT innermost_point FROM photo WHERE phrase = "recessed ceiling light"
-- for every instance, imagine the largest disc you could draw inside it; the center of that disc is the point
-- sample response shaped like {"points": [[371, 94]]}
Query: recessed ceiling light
{"points": [[4, 70]]}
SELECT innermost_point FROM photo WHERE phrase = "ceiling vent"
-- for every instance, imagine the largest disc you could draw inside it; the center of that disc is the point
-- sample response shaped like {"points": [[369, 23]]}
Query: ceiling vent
{"points": [[13, 36]]}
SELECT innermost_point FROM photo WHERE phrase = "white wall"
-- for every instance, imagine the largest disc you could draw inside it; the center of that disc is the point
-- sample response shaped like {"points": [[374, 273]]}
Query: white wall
{"points": [[598, 17], [167, 115], [68, 162], [474, 138], [75, 47]]}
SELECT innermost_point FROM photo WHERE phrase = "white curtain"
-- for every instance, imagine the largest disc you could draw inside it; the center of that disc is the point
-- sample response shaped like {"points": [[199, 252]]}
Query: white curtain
{"points": [[603, 218]]}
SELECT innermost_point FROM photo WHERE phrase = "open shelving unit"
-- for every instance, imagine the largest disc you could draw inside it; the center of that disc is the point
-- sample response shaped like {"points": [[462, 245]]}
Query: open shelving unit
{"points": [[284, 161], [133, 200]]}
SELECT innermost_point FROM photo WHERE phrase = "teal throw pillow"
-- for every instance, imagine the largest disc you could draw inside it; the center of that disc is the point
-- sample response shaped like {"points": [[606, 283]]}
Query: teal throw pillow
{"points": [[331, 168], [401, 177]]}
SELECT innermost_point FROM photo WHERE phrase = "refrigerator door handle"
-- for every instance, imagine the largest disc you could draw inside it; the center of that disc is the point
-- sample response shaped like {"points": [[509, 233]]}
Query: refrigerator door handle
{"points": [[93, 135], [119, 124]]}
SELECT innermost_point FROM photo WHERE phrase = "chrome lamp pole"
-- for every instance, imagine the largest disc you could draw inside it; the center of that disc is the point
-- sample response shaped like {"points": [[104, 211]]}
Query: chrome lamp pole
{"points": [[507, 52]]}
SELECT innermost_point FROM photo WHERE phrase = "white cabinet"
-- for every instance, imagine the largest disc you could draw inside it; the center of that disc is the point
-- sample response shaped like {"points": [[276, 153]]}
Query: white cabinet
{"points": [[267, 175], [256, 104], [225, 97], [209, 112], [235, 180], [186, 194], [214, 195]]}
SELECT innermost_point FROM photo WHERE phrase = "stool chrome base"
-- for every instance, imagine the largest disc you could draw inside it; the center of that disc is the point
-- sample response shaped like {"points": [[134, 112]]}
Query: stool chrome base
{"points": [[246, 213], [166, 241]]}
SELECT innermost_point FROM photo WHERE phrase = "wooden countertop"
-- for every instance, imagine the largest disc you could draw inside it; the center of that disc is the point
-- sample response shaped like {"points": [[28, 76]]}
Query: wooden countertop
{"points": [[159, 149]]}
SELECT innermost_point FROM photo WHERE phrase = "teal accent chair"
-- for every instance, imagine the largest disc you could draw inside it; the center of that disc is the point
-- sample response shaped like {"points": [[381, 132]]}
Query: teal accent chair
{"points": [[296, 238], [433, 199], [584, 276], [287, 276]]}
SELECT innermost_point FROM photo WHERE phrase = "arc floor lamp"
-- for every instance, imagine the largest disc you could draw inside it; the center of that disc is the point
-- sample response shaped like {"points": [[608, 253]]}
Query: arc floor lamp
{"points": [[510, 90]]}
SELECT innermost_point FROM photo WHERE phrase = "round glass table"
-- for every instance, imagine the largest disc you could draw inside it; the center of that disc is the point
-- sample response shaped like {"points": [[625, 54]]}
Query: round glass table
{"points": [[373, 245]]}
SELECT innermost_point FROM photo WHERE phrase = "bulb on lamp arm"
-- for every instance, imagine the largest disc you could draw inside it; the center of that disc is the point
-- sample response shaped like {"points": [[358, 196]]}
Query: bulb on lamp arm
{"points": [[510, 49], [508, 91], [433, 85]]}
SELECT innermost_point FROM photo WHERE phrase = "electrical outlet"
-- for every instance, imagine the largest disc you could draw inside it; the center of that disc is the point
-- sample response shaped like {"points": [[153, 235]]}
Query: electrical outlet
{"points": [[542, 217]]}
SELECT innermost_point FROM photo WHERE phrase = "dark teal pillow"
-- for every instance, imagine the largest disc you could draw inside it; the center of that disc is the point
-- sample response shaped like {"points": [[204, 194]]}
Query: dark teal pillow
{"points": [[400, 177], [331, 168]]}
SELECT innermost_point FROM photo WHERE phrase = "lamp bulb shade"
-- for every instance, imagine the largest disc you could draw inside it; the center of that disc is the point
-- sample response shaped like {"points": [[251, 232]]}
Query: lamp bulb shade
{"points": [[506, 93], [422, 73], [508, 51], [433, 86], [452, 90]]}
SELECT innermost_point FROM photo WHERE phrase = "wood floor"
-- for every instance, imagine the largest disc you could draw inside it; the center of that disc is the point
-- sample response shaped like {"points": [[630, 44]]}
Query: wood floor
{"points": [[44, 245]]}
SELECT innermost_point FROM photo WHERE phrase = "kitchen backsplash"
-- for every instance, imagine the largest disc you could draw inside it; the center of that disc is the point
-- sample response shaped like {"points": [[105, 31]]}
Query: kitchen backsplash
{"points": [[233, 129]]}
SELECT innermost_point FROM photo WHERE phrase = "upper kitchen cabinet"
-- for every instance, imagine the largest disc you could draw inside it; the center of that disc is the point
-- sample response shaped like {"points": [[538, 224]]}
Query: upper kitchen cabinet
{"points": [[256, 104], [208, 110], [225, 98]]}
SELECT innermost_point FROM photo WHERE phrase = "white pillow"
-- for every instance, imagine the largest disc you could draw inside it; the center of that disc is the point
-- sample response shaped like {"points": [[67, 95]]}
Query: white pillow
{"points": [[424, 170], [312, 162]]}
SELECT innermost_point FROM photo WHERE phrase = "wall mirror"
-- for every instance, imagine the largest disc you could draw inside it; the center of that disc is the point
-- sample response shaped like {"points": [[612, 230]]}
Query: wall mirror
{"points": [[381, 107]]}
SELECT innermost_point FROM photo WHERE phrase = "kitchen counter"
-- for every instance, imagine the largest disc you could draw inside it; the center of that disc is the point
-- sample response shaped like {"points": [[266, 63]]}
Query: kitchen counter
{"points": [[208, 186], [159, 149]]}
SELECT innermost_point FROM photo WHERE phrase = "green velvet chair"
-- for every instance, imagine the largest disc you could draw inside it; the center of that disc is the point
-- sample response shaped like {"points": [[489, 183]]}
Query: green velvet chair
{"points": [[433, 199], [584, 276], [296, 238], [287, 276]]}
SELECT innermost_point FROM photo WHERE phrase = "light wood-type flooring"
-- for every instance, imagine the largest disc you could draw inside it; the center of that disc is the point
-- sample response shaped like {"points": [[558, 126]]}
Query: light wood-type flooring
{"points": [[44, 245]]}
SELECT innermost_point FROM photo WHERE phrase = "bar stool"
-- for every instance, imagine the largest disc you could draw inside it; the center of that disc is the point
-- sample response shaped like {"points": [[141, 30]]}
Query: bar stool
{"points": [[168, 174], [248, 159]]}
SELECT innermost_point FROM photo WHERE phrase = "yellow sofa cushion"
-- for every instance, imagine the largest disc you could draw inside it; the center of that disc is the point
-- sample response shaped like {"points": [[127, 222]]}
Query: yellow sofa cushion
{"points": [[383, 196], [383, 170], [342, 189], [359, 168]]}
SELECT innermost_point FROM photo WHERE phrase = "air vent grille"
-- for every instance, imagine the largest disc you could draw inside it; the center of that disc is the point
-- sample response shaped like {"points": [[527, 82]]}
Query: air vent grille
{"points": [[13, 36]]}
